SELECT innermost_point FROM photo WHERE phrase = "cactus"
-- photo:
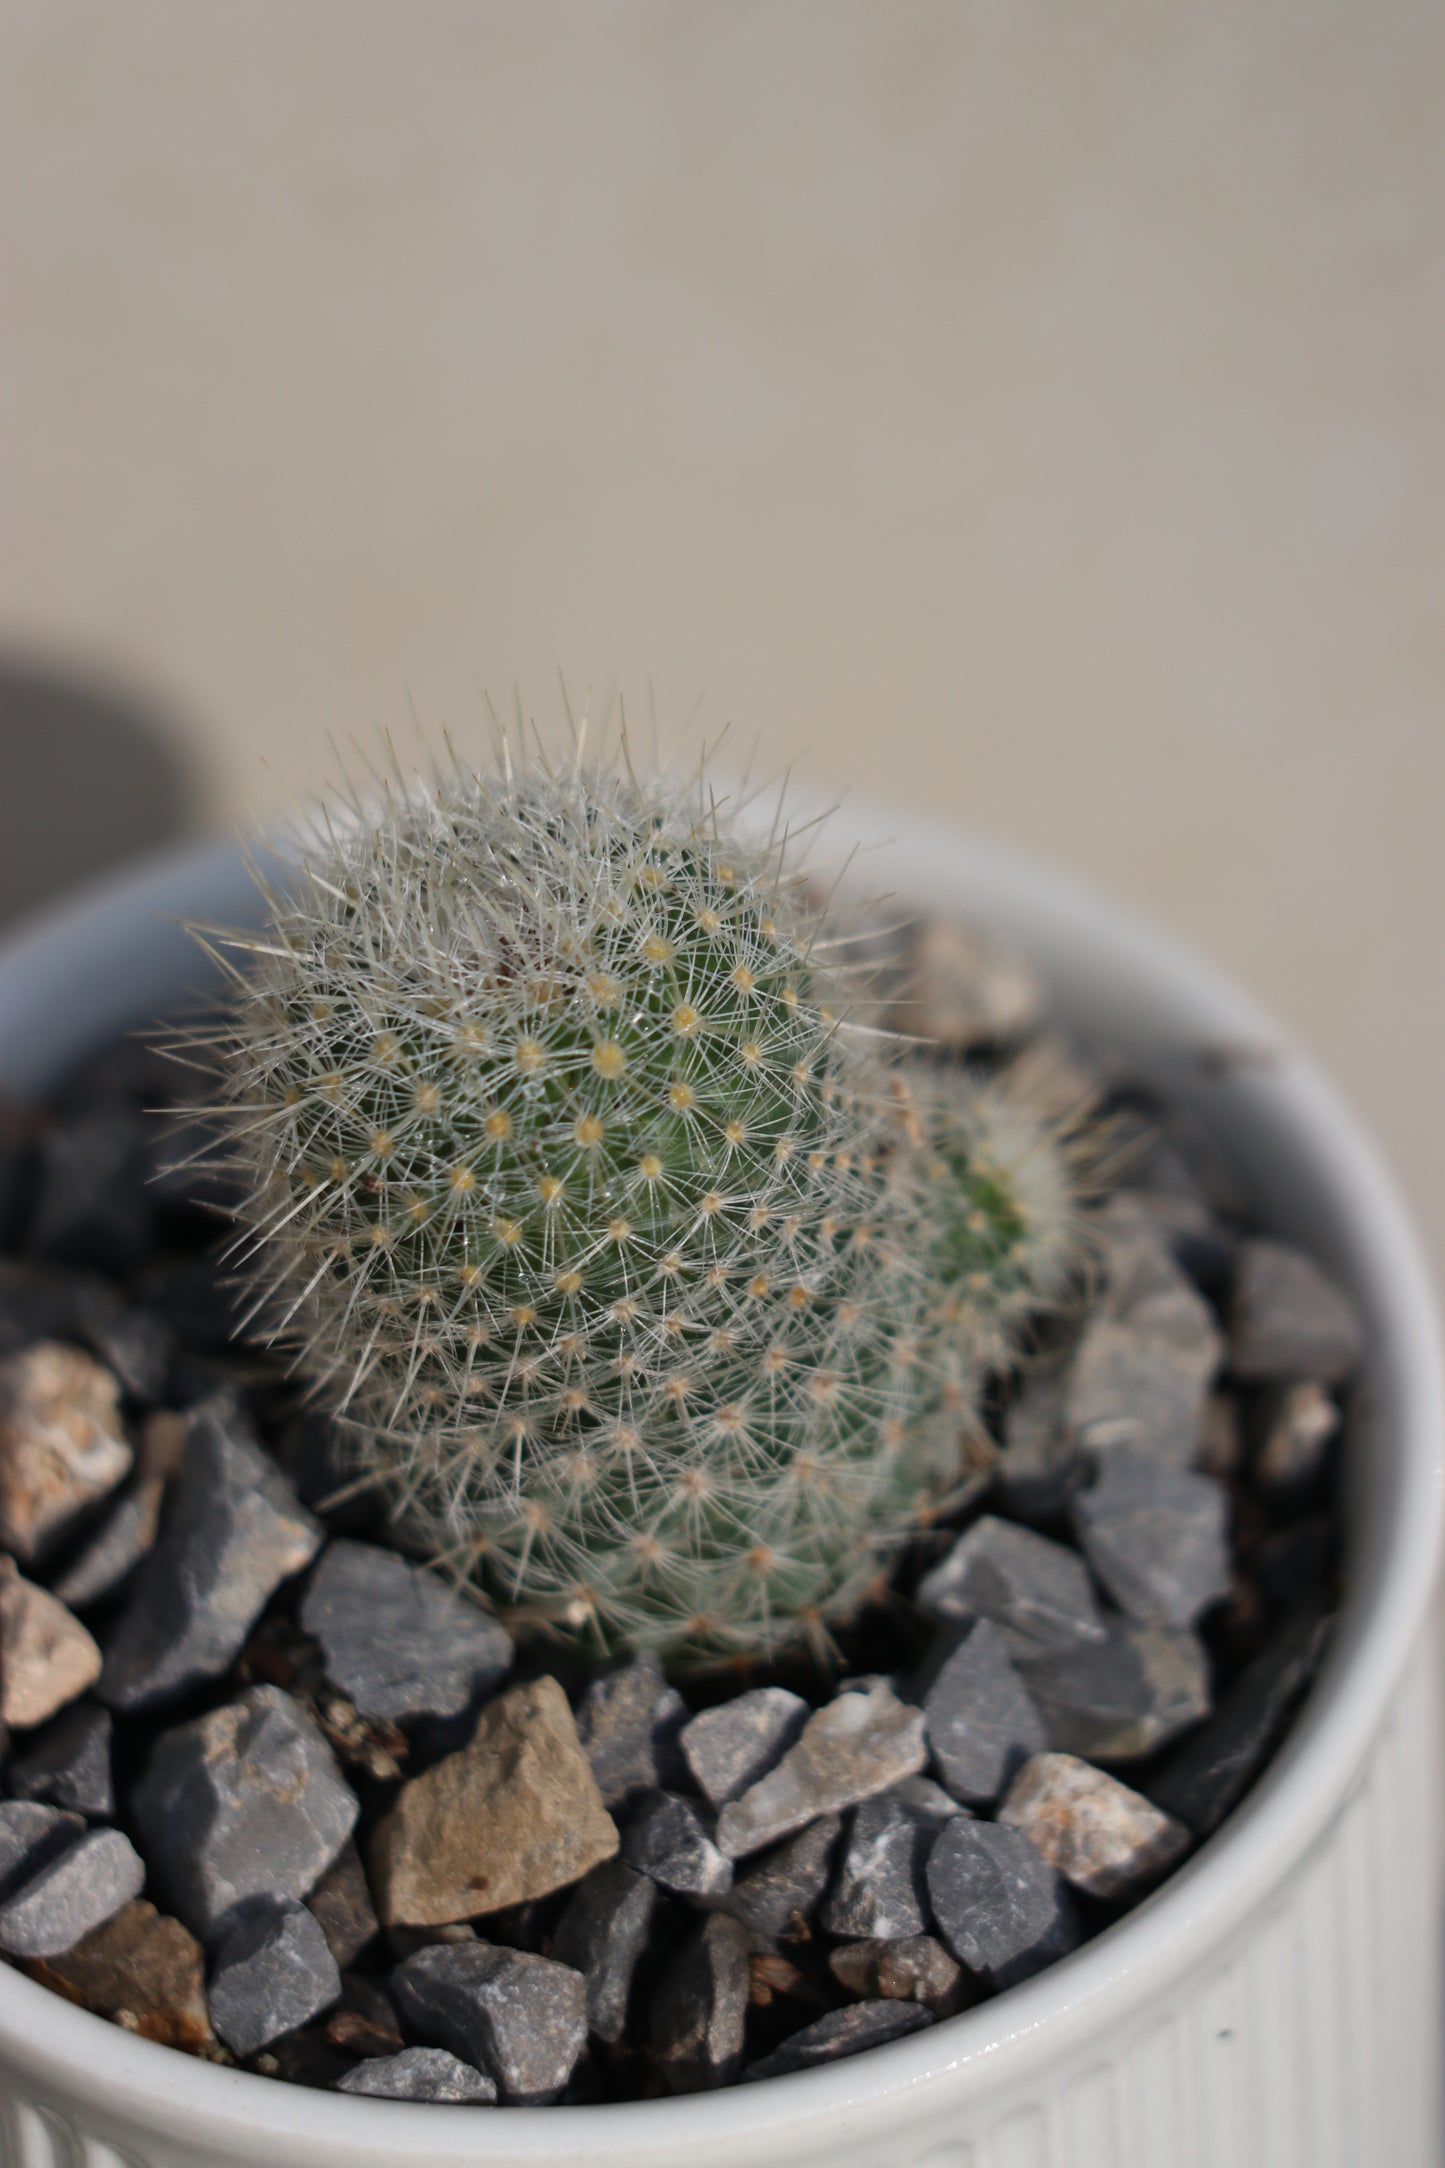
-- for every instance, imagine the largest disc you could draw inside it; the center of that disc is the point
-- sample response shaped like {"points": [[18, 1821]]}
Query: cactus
{"points": [[590, 1213]]}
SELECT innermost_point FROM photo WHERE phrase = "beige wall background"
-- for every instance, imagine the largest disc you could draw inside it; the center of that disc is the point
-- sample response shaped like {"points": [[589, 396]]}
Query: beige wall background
{"points": [[1033, 413]]}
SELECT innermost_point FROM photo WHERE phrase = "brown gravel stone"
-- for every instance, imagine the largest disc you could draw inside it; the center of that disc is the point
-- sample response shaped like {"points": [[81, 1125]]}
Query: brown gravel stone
{"points": [[46, 1657], [342, 1905], [514, 1815], [1101, 1836], [62, 1447], [915, 1968], [963, 994], [141, 1964]]}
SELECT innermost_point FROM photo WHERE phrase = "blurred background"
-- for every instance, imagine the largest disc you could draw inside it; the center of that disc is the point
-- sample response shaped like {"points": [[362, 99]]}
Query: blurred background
{"points": [[1028, 413]]}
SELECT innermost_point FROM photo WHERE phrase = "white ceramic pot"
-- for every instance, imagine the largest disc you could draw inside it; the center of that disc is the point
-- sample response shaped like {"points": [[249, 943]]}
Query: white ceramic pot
{"points": [[1276, 2004]]}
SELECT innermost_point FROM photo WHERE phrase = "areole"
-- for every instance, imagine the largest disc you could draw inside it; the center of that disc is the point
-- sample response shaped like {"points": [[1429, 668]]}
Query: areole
{"points": [[1277, 2000]]}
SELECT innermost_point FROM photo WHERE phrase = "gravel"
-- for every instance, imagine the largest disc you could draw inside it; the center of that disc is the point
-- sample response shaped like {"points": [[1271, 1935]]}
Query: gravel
{"points": [[127, 1533], [245, 1803], [235, 1532], [1289, 1320], [68, 1763], [397, 1640], [62, 1445], [142, 1965], [1036, 1591], [1106, 1840], [514, 1815], [776, 1896], [46, 1656], [1000, 1907], [667, 1839], [699, 2010], [273, 1972], [1122, 1699], [520, 2019], [602, 1934], [78, 1890], [842, 2032], [1157, 1536], [878, 1890], [727, 1749], [982, 1723], [853, 1747], [419, 2074], [629, 1721], [914, 1968]]}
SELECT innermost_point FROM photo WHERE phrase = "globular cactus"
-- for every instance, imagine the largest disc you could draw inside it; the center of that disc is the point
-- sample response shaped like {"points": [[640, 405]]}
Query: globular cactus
{"points": [[588, 1211], [1008, 1159]]}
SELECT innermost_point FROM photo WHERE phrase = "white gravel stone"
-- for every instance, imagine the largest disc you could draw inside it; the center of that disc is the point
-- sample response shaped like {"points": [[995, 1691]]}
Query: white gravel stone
{"points": [[856, 1746], [1104, 1838]]}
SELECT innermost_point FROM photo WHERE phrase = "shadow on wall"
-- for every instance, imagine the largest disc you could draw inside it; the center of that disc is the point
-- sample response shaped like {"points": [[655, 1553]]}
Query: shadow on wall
{"points": [[88, 779]]}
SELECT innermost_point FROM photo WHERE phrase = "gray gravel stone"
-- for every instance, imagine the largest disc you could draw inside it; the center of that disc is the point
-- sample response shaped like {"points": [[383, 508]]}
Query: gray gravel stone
{"points": [[62, 1445], [272, 1973], [842, 2032], [520, 2019], [31, 1835], [68, 1764], [93, 1207], [397, 1640], [1040, 1462], [341, 1905], [1036, 1592], [915, 1968], [1297, 1422], [859, 1744], [776, 1896], [115, 1550], [234, 1533], [69, 1895], [1001, 1908], [982, 1725], [629, 1722], [728, 1748], [602, 1934], [419, 2074], [1105, 1839], [926, 1798], [1124, 1697], [699, 2011], [667, 1840], [1205, 1776], [1142, 1370], [1157, 1536], [245, 1802], [878, 1890], [1289, 1321]]}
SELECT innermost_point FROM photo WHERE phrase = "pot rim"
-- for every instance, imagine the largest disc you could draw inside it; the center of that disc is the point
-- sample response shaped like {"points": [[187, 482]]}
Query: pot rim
{"points": [[87, 939]]}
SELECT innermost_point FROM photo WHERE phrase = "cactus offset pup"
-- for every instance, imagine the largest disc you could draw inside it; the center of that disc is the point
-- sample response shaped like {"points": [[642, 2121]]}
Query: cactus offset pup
{"points": [[592, 1216]]}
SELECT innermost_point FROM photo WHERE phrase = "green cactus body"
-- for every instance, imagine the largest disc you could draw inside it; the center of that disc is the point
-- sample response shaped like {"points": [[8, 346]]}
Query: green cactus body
{"points": [[587, 1210]]}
